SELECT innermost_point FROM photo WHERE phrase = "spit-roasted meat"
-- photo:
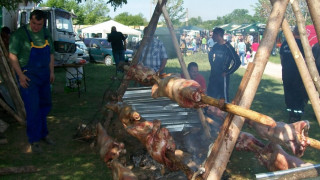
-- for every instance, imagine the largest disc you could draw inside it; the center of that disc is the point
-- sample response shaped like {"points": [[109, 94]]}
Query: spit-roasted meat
{"points": [[292, 136], [139, 73], [272, 156], [109, 149], [187, 93], [119, 172], [157, 140]]}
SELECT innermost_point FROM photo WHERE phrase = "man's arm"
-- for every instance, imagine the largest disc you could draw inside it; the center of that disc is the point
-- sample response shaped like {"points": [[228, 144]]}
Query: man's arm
{"points": [[23, 79], [125, 44], [52, 77], [163, 64]]}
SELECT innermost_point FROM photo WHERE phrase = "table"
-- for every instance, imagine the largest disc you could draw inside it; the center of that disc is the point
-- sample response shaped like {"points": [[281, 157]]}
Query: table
{"points": [[75, 74]]}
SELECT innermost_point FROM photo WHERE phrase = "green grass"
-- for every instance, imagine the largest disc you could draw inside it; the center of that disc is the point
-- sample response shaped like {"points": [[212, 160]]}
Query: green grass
{"points": [[71, 159], [275, 59]]}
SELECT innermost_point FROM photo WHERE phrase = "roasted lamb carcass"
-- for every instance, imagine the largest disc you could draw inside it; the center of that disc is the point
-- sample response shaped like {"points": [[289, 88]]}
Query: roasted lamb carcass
{"points": [[187, 93], [109, 149], [272, 156], [157, 140], [292, 136], [140, 73], [119, 172]]}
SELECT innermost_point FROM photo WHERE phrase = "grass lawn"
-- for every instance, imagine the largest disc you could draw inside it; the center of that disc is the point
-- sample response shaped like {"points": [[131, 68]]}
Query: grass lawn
{"points": [[71, 159]]}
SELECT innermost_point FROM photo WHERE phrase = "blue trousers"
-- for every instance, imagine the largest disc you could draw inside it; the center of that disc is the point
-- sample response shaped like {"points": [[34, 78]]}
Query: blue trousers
{"points": [[37, 102], [118, 56]]}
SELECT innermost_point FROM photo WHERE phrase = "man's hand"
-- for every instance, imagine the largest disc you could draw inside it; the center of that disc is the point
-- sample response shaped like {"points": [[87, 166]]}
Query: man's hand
{"points": [[52, 78], [23, 79]]}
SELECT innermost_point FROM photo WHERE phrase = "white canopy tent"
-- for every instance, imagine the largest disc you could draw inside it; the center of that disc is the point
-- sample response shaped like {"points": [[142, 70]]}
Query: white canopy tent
{"points": [[105, 28]]}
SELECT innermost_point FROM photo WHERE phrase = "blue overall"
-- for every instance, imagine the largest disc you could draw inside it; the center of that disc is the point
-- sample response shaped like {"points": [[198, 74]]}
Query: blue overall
{"points": [[37, 97]]}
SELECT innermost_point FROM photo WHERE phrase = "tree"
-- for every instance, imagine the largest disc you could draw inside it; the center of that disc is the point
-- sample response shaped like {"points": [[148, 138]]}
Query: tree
{"points": [[175, 10], [91, 12], [13, 4], [130, 20], [69, 5], [195, 21], [95, 11], [263, 9], [238, 16]]}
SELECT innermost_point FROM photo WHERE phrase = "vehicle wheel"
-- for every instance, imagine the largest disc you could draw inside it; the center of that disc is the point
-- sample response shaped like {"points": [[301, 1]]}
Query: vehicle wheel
{"points": [[108, 60]]}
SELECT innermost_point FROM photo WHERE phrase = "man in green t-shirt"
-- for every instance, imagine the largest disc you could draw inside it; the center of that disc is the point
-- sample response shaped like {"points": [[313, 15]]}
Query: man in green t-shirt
{"points": [[31, 53]]}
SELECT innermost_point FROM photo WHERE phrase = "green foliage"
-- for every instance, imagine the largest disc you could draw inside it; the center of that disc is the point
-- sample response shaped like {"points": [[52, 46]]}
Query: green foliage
{"points": [[237, 16], [176, 11], [130, 20], [91, 12], [195, 21], [263, 9], [13, 4]]}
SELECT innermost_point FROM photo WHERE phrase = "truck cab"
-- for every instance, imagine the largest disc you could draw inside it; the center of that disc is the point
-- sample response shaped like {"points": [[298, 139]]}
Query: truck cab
{"points": [[59, 23]]}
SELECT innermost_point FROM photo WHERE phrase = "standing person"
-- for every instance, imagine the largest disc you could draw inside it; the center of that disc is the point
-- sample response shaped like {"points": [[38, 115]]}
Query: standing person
{"points": [[5, 35], [204, 44], [294, 92], [224, 61], [254, 47], [248, 49], [31, 52], [195, 75], [242, 51], [154, 54], [210, 43], [118, 44], [316, 55]]}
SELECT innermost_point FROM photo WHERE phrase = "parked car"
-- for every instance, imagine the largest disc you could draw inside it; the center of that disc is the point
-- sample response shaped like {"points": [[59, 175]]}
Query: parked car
{"points": [[82, 50], [100, 51]]}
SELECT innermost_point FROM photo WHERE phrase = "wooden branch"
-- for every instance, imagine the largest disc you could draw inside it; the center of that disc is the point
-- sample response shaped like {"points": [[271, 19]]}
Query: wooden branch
{"points": [[214, 151], [240, 111], [314, 6], [306, 46], [165, 13], [302, 67], [314, 143], [18, 170], [10, 82], [216, 169], [5, 106]]}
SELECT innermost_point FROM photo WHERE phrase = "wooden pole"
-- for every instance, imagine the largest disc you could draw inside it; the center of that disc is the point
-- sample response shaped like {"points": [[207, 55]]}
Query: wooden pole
{"points": [[5, 106], [240, 111], [8, 77], [215, 170], [314, 6], [183, 66], [224, 130], [18, 170]]}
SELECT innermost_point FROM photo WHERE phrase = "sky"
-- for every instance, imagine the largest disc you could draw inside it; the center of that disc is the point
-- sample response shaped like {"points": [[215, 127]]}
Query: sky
{"points": [[206, 9]]}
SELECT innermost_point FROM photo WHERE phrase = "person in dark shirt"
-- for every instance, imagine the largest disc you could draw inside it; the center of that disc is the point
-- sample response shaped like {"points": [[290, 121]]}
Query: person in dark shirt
{"points": [[118, 44], [224, 61], [316, 54], [294, 91]]}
